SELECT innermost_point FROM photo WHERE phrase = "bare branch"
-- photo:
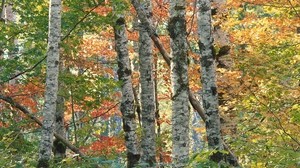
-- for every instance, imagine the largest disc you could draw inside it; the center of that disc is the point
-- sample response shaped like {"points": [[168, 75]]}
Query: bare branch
{"points": [[35, 119]]}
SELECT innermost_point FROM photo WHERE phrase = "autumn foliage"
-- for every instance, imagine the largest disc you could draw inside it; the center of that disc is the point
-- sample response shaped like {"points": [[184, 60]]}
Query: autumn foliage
{"points": [[258, 79]]}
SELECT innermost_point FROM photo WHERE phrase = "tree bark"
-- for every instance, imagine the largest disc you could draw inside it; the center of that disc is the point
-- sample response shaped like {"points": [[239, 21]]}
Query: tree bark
{"points": [[208, 80], [2, 12], [180, 86], [127, 102], [147, 91], [51, 83], [59, 149]]}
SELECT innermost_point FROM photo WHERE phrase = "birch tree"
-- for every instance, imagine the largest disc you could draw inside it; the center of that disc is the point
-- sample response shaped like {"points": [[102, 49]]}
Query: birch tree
{"points": [[127, 102], [147, 91], [179, 80], [208, 79], [51, 83]]}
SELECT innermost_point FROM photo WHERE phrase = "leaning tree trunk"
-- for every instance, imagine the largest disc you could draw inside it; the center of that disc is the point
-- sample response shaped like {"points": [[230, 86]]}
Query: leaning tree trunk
{"points": [[147, 92], [180, 87], [127, 103], [208, 79], [51, 83]]}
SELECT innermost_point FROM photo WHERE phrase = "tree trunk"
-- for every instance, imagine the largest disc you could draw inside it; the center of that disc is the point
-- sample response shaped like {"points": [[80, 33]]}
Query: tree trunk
{"points": [[51, 83], [147, 92], [127, 102], [157, 114], [10, 16], [2, 10], [59, 149], [179, 80], [208, 79]]}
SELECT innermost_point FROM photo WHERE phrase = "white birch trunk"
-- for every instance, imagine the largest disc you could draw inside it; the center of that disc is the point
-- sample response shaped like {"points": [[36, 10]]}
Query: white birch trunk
{"points": [[147, 91], [51, 83], [10, 17], [180, 88], [208, 79], [127, 102], [2, 10]]}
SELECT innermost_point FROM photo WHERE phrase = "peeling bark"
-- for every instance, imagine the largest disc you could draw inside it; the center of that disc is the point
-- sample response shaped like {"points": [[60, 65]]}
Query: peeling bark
{"points": [[180, 87], [51, 83], [208, 80], [127, 102]]}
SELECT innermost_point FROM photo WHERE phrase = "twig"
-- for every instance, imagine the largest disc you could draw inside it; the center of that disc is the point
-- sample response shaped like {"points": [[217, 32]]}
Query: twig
{"points": [[276, 117], [91, 118], [193, 17], [81, 20], [293, 8], [95, 120], [13, 141]]}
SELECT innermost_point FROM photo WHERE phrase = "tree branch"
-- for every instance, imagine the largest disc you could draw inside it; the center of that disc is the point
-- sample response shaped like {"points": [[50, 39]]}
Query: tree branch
{"points": [[95, 121], [296, 12], [31, 116], [276, 117]]}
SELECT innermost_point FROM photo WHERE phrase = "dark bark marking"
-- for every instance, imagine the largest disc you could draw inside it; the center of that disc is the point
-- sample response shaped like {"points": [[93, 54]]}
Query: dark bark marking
{"points": [[132, 159], [59, 147], [120, 21], [216, 157], [43, 163], [126, 128], [58, 119], [123, 71], [213, 52], [206, 104], [176, 21], [214, 90], [179, 8]]}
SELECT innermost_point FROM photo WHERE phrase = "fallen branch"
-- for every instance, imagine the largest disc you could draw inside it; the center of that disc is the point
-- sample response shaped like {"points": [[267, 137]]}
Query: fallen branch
{"points": [[31, 116]]}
